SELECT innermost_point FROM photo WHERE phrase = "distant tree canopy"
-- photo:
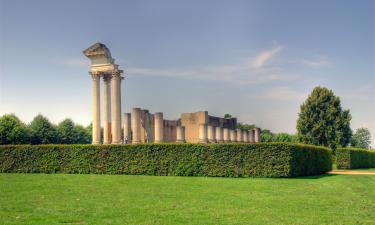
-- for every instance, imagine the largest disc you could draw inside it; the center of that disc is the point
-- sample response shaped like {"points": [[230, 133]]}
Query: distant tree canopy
{"points": [[322, 121], [227, 116], [361, 138], [42, 131], [13, 130]]}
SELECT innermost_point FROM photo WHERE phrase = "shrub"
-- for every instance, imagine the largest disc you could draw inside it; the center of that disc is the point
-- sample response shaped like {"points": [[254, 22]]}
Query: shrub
{"points": [[352, 158], [218, 160]]}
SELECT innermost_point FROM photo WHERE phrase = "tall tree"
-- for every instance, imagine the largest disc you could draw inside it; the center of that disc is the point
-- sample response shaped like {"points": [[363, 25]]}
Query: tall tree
{"points": [[82, 135], [42, 131], [322, 120], [66, 132], [13, 130], [361, 138]]}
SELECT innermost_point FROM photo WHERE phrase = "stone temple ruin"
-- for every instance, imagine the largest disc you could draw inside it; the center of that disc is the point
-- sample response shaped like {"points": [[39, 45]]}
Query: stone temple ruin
{"points": [[141, 126]]}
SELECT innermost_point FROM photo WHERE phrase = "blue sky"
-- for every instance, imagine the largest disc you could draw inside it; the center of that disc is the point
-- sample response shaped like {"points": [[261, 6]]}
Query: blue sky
{"points": [[256, 60]]}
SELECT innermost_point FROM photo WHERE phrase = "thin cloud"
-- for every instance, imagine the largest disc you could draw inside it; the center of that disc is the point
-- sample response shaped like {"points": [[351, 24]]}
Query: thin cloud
{"points": [[283, 94], [316, 63], [262, 58], [75, 62]]}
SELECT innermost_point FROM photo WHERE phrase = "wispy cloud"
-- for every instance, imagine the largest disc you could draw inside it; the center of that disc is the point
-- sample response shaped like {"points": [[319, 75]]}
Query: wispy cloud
{"points": [[283, 94], [75, 62], [262, 58], [317, 62]]}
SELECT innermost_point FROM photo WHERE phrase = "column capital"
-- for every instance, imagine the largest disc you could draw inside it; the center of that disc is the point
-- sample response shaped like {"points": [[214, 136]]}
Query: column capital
{"points": [[95, 75]]}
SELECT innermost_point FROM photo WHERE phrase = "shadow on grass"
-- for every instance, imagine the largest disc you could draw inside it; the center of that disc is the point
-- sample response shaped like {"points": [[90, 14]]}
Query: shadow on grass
{"points": [[317, 176]]}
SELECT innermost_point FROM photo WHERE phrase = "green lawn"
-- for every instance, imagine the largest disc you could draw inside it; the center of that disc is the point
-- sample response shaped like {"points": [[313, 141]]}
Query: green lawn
{"points": [[118, 199]]}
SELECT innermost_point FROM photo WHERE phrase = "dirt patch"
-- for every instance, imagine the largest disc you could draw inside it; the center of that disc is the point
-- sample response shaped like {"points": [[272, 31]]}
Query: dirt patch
{"points": [[352, 172]]}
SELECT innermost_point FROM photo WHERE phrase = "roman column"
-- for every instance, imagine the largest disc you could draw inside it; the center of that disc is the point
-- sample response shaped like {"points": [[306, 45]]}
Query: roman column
{"points": [[219, 134], [116, 107], [203, 133], [233, 136], [246, 136], [257, 135], [127, 128], [211, 134], [239, 135], [159, 127], [180, 134], [136, 125], [251, 136], [226, 134], [107, 110], [95, 108]]}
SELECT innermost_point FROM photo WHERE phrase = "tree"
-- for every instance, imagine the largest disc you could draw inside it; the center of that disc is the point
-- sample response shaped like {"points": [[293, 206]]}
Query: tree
{"points": [[361, 138], [13, 130], [227, 116], [245, 126], [42, 131], [284, 137], [322, 120], [82, 135], [66, 132]]}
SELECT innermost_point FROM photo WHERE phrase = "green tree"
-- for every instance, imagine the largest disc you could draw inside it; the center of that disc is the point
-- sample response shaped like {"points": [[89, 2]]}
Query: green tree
{"points": [[66, 132], [284, 137], [361, 138], [82, 135], [245, 126], [227, 116], [266, 135], [42, 131], [13, 130], [322, 120]]}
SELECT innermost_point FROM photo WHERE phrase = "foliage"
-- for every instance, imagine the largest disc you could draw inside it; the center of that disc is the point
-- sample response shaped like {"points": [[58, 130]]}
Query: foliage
{"points": [[227, 116], [352, 158], [66, 132], [219, 160], [245, 126], [267, 136], [82, 135], [12, 130], [361, 138], [42, 131], [322, 120]]}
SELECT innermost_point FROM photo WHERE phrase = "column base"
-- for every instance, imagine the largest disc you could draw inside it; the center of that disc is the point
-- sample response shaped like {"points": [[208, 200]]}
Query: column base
{"points": [[181, 141], [95, 143], [116, 143], [203, 141]]}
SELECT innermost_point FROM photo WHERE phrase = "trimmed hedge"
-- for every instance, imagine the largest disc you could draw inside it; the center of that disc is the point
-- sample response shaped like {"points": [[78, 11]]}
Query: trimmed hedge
{"points": [[352, 158], [217, 160]]}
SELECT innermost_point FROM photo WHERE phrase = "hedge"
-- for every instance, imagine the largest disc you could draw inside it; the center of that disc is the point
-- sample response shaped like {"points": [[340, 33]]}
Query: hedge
{"points": [[352, 158], [217, 160]]}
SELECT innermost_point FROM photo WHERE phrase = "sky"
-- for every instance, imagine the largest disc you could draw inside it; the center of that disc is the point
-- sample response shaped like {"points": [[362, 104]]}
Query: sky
{"points": [[256, 60]]}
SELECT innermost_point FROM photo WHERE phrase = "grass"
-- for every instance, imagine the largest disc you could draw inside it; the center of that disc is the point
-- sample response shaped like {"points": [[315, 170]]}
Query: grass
{"points": [[119, 199]]}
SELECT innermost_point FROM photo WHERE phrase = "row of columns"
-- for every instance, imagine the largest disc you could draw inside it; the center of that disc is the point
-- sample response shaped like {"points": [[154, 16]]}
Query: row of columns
{"points": [[212, 134], [112, 111]]}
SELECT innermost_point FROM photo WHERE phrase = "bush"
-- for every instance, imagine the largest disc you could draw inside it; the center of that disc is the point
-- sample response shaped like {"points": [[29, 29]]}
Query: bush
{"points": [[217, 160], [352, 158]]}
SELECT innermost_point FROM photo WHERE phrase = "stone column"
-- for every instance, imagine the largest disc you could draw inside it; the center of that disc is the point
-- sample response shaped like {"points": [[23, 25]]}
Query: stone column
{"points": [[219, 134], [95, 108], [246, 136], [251, 136], [127, 129], [239, 136], [233, 136], [159, 127], [136, 125], [116, 107], [211, 131], [257, 135], [226, 134], [203, 133], [180, 134], [107, 111]]}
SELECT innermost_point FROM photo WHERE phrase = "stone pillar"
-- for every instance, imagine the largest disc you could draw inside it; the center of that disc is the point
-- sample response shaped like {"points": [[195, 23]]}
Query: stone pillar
{"points": [[219, 134], [116, 107], [251, 136], [226, 134], [127, 129], [257, 135], [239, 136], [95, 108], [203, 133], [233, 136], [180, 134], [136, 125], [159, 127], [211, 134], [107, 111], [246, 136]]}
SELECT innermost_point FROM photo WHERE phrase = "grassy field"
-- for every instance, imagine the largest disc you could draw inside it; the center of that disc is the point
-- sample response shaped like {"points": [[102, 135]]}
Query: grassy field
{"points": [[118, 199]]}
